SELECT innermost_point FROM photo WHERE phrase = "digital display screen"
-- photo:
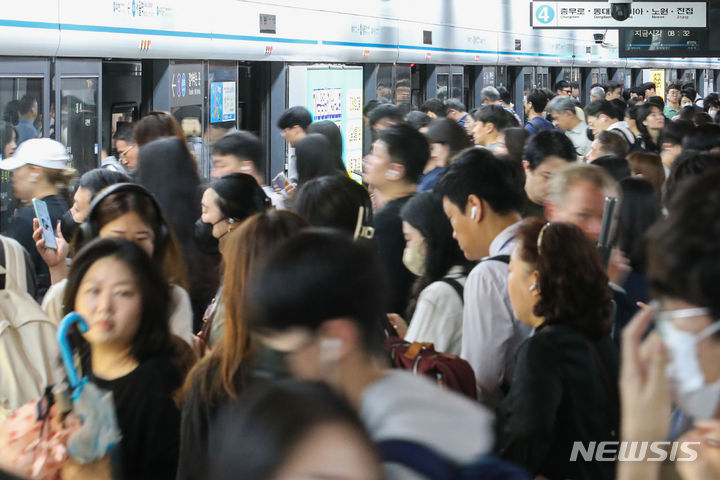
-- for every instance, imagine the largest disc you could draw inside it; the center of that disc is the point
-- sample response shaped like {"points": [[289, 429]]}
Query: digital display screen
{"points": [[673, 42]]}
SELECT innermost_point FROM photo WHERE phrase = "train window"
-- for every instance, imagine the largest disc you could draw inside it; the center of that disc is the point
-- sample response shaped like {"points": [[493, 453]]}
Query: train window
{"points": [[402, 84], [78, 127], [442, 86], [456, 88], [488, 76], [385, 82]]}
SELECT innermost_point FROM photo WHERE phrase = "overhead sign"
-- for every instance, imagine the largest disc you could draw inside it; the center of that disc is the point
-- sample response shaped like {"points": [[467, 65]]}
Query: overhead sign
{"points": [[598, 15], [663, 42]]}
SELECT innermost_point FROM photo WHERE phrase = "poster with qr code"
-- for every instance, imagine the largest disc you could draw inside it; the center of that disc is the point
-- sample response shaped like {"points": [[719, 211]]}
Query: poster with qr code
{"points": [[327, 104], [336, 94], [355, 104]]}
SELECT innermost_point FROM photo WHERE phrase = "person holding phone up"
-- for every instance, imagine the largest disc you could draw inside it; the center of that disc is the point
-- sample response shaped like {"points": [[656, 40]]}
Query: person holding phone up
{"points": [[40, 170]]}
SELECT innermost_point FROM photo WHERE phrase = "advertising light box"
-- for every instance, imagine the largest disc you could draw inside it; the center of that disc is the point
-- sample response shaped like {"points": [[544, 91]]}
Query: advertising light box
{"points": [[334, 94]]}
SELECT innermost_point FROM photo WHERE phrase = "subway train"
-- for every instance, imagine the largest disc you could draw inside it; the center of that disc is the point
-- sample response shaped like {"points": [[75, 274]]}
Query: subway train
{"points": [[224, 64]]}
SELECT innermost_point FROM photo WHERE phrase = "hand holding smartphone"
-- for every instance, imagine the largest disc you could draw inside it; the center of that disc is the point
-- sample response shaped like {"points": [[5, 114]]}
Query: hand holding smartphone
{"points": [[279, 182], [43, 217]]}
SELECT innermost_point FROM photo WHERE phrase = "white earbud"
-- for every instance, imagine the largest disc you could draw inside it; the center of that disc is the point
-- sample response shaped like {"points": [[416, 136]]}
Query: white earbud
{"points": [[473, 212], [533, 287]]}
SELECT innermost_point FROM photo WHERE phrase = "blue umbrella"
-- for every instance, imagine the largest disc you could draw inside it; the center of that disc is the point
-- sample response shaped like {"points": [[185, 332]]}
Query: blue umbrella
{"points": [[99, 432]]}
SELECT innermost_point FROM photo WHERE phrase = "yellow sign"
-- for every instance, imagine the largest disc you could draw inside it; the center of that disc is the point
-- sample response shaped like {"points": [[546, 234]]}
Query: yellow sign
{"points": [[658, 78]]}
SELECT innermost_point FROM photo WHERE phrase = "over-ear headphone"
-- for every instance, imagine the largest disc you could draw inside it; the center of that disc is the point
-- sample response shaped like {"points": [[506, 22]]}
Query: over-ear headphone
{"points": [[473, 212], [89, 229]]}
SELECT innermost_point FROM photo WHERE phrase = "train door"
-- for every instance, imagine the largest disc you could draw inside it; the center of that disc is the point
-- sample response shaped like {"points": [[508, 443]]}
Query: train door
{"points": [[78, 90], [24, 85]]}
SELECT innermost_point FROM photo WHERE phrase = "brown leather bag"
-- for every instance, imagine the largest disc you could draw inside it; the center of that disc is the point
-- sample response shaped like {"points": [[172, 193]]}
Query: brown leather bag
{"points": [[449, 371]]}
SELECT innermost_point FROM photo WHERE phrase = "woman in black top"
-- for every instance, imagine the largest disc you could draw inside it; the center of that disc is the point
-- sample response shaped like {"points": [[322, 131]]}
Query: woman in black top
{"points": [[223, 374], [125, 301], [564, 389], [40, 170]]}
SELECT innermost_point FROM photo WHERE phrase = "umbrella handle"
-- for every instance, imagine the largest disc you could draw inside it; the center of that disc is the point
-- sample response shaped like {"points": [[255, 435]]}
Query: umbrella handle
{"points": [[66, 349]]}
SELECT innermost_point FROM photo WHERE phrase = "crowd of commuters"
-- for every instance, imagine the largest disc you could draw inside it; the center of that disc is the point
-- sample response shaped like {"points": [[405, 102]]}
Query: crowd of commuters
{"points": [[244, 325]]}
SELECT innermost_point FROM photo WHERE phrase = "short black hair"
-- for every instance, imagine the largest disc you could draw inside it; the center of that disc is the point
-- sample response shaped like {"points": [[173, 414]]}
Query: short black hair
{"points": [[538, 100], [613, 85], [239, 196], [153, 334], [675, 86], [683, 248], [448, 132], [621, 106], [656, 100], [408, 147], [256, 437], [243, 145], [125, 132], [434, 105], [476, 171], [504, 95], [711, 101], [418, 119], [298, 115], [371, 104], [689, 164], [455, 104], [99, 178], [613, 143], [494, 114], [647, 86], [617, 167], [25, 104], [385, 111], [315, 157], [689, 90], [329, 130], [562, 85], [703, 138], [348, 281], [333, 201], [676, 131], [598, 107], [548, 143]]}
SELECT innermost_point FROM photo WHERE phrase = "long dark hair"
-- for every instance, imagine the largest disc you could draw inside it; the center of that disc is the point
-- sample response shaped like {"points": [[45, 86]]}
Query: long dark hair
{"points": [[315, 158], [424, 212], [639, 210], [153, 335], [644, 111], [572, 280]]}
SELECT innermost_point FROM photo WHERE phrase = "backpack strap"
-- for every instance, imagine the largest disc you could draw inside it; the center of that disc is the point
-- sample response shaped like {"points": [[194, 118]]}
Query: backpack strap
{"points": [[457, 286], [498, 258], [418, 458], [3, 272]]}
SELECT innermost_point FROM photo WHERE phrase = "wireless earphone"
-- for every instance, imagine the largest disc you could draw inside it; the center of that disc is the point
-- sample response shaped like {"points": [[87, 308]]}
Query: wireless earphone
{"points": [[473, 212], [533, 287]]}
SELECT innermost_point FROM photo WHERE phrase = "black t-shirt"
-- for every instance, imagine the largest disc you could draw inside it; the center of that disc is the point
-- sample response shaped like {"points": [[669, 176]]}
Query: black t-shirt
{"points": [[148, 419], [21, 229], [391, 243]]}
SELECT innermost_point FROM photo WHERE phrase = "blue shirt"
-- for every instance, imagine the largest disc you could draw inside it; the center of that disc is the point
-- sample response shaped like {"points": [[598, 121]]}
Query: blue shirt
{"points": [[25, 130], [538, 124], [428, 181]]}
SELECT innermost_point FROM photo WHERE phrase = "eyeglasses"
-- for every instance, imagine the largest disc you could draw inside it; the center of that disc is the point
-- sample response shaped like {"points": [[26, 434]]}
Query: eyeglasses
{"points": [[124, 153], [569, 91]]}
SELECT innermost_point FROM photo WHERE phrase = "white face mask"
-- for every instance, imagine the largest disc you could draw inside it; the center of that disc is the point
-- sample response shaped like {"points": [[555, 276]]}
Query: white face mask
{"points": [[694, 396], [712, 113], [414, 259]]}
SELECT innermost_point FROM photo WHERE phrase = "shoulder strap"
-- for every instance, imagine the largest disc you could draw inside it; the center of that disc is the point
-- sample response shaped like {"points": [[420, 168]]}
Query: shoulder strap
{"points": [[417, 458], [457, 286], [498, 258], [3, 273]]}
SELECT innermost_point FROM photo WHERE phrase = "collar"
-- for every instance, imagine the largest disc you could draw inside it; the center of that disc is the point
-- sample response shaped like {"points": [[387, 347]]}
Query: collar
{"points": [[580, 127], [503, 240]]}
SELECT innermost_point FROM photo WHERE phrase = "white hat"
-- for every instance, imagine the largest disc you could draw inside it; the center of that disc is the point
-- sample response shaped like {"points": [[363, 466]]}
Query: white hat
{"points": [[43, 152]]}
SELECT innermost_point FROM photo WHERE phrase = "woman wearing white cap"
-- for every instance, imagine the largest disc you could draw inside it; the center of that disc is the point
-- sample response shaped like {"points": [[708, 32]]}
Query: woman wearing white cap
{"points": [[40, 169]]}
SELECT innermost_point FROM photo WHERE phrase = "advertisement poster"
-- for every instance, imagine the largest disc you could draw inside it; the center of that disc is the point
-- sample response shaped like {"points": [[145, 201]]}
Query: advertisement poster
{"points": [[222, 102], [336, 94]]}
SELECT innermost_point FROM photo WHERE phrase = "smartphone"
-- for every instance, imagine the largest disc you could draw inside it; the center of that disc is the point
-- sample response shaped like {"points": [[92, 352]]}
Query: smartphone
{"points": [[43, 217], [279, 182]]}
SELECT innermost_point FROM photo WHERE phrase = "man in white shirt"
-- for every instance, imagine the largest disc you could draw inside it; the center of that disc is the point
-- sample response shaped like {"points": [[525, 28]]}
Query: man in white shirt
{"points": [[602, 115], [562, 109], [328, 327], [482, 198], [242, 152]]}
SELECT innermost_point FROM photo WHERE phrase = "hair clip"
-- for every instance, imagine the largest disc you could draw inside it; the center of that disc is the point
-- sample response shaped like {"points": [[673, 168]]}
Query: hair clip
{"points": [[540, 235]]}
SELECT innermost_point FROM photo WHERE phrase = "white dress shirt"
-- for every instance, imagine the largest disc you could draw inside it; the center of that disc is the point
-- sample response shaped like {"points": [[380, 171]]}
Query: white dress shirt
{"points": [[491, 334], [578, 136], [438, 316]]}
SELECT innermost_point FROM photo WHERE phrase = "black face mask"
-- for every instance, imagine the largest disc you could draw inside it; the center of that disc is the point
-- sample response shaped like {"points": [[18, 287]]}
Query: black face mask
{"points": [[204, 238], [68, 226]]}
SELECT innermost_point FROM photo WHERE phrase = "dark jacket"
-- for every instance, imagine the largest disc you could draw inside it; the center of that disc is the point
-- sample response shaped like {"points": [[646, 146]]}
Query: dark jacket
{"points": [[561, 395]]}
